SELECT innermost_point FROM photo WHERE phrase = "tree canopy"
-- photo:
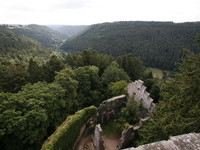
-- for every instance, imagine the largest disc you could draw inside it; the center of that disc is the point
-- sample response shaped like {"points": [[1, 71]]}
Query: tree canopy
{"points": [[179, 112], [114, 73], [158, 44]]}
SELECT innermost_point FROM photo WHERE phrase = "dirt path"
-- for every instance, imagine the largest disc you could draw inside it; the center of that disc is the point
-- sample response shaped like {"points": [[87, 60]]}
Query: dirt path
{"points": [[111, 143], [86, 144]]}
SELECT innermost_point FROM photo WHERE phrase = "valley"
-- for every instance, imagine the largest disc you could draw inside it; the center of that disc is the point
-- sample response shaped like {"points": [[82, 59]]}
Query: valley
{"points": [[62, 83]]}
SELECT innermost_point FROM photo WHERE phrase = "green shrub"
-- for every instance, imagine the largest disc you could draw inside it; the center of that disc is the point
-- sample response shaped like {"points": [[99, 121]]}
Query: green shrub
{"points": [[118, 88], [133, 111], [65, 135]]}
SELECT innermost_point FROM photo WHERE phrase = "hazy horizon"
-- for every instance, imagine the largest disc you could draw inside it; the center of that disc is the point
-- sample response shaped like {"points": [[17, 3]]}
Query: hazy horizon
{"points": [[87, 12], [95, 23]]}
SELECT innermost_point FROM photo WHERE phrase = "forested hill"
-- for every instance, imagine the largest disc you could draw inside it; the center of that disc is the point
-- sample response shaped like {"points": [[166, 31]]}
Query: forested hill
{"points": [[43, 34], [15, 46], [69, 30], [158, 44]]}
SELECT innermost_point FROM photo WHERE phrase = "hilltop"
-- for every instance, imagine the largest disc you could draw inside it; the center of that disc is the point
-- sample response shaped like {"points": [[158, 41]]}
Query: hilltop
{"points": [[43, 34], [69, 30], [158, 44], [15, 46]]}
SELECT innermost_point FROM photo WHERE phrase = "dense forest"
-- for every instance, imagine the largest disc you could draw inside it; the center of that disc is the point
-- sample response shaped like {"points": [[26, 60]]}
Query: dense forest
{"points": [[146, 40], [179, 111], [43, 34], [36, 98], [69, 30], [41, 87], [20, 48]]}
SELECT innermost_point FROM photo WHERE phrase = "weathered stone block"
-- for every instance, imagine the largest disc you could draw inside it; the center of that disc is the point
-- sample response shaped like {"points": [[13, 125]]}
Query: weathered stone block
{"points": [[98, 140], [127, 136], [181, 142]]}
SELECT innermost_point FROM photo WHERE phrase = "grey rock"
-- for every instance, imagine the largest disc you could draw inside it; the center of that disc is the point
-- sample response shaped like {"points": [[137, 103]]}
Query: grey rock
{"points": [[189, 141], [98, 140]]}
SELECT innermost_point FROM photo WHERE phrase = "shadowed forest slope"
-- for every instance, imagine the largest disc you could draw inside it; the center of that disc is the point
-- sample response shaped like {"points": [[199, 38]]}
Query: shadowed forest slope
{"points": [[43, 34], [158, 44]]}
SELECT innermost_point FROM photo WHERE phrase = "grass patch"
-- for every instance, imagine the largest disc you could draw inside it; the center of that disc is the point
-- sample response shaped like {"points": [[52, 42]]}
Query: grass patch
{"points": [[157, 73], [113, 129]]}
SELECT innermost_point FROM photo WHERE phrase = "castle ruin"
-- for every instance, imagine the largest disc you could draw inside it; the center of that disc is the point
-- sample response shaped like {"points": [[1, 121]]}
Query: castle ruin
{"points": [[137, 90]]}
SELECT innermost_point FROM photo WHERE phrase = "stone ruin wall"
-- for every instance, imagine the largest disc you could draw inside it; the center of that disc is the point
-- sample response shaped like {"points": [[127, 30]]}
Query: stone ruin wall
{"points": [[108, 109], [130, 134], [138, 91], [98, 139]]}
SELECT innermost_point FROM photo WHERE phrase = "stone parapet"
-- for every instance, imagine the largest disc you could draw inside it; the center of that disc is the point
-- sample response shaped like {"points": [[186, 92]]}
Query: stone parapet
{"points": [[189, 141]]}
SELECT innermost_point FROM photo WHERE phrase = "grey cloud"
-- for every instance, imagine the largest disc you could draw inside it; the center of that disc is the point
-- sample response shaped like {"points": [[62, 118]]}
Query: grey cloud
{"points": [[72, 4]]}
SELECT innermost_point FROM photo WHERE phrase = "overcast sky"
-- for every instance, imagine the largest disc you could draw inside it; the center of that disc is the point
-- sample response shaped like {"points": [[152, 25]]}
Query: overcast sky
{"points": [[80, 12]]}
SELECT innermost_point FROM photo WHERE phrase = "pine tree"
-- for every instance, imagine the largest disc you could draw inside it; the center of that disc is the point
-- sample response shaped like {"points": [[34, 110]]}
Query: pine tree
{"points": [[35, 72], [179, 112]]}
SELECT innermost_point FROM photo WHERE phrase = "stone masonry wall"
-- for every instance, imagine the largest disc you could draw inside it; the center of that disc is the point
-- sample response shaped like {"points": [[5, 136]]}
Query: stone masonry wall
{"points": [[181, 142], [138, 91], [98, 140], [108, 109]]}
